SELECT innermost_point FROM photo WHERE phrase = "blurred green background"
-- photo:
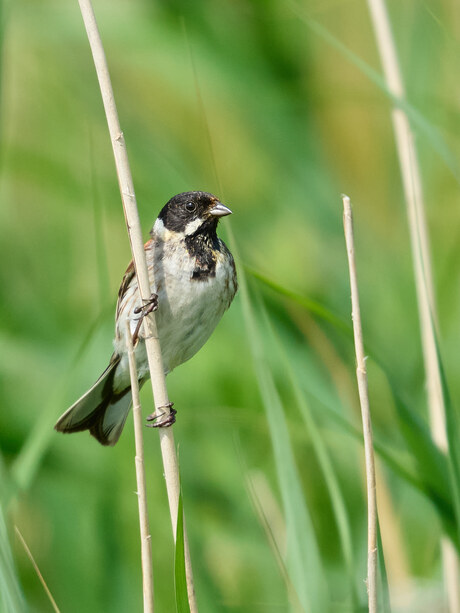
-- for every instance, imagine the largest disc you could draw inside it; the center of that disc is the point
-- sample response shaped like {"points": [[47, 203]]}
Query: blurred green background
{"points": [[266, 105]]}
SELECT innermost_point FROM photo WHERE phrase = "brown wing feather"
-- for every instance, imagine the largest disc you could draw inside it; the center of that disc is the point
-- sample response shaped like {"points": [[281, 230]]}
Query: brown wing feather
{"points": [[128, 278]]}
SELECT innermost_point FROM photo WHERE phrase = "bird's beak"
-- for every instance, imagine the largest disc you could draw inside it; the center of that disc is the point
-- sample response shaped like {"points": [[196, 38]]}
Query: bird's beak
{"points": [[220, 210]]}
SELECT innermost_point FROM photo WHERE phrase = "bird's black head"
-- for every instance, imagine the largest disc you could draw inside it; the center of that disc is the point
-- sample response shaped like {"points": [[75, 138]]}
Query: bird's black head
{"points": [[193, 213]]}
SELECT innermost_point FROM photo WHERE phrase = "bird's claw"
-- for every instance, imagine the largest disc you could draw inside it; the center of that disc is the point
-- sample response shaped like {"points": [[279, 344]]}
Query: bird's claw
{"points": [[150, 305], [169, 420]]}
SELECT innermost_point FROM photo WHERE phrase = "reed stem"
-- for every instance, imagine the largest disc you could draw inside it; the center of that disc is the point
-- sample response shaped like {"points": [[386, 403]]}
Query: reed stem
{"points": [[152, 343], [361, 375]]}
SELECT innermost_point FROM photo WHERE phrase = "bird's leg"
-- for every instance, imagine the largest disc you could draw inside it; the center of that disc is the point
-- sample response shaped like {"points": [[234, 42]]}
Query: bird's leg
{"points": [[169, 420], [150, 305]]}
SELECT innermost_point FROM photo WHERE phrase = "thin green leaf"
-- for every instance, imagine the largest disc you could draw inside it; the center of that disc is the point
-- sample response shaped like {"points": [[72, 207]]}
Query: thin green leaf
{"points": [[384, 591], [315, 308], [431, 461], [432, 477], [418, 120], [453, 439], [37, 570], [394, 460], [429, 474], [28, 461], [266, 525], [11, 598], [304, 562], [101, 253], [321, 452]]}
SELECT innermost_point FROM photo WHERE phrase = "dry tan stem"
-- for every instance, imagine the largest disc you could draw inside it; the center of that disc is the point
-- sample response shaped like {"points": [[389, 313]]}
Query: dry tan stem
{"points": [[361, 376], [146, 543], [168, 450], [410, 172]]}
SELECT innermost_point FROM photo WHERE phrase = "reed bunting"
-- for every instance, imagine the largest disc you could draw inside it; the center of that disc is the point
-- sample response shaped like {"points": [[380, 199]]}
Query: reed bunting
{"points": [[193, 281]]}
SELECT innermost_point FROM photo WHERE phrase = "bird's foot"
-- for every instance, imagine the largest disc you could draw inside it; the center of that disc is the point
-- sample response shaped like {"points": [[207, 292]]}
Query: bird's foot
{"points": [[168, 419], [151, 304]]}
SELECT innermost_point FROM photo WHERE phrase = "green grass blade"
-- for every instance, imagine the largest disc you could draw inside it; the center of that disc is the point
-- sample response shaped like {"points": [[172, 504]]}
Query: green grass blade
{"points": [[384, 591], [11, 598], [417, 119], [394, 460], [266, 525], [321, 452], [432, 475], [304, 562], [431, 461], [180, 578], [98, 220], [28, 461], [7, 487], [453, 440], [315, 308]]}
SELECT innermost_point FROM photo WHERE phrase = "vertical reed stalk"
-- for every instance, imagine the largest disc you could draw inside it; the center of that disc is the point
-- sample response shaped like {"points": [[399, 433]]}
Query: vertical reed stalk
{"points": [[412, 183], [146, 543], [168, 450], [361, 376]]}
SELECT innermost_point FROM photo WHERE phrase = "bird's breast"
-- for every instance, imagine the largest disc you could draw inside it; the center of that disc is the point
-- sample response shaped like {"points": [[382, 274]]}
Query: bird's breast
{"points": [[189, 304]]}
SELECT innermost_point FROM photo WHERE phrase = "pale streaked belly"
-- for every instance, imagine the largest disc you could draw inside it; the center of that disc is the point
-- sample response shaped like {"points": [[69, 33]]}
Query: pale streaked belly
{"points": [[188, 311]]}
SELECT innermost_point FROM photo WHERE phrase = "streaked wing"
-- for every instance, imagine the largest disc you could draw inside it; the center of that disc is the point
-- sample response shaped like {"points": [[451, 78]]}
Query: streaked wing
{"points": [[128, 279]]}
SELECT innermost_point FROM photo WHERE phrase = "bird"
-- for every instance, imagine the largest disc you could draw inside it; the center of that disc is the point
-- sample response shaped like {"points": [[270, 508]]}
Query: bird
{"points": [[193, 282]]}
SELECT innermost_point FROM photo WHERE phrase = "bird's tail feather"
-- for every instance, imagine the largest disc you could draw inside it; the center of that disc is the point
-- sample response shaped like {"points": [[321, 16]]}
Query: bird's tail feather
{"points": [[100, 410]]}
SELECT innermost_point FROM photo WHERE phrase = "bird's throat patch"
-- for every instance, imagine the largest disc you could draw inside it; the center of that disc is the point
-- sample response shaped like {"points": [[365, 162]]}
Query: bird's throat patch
{"points": [[204, 249]]}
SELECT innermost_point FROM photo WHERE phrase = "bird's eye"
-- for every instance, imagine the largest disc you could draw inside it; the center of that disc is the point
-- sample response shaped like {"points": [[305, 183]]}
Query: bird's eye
{"points": [[190, 207]]}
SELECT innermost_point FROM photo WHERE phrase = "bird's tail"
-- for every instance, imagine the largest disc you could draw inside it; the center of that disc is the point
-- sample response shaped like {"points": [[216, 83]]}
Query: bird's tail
{"points": [[101, 411]]}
